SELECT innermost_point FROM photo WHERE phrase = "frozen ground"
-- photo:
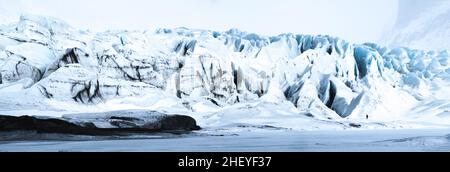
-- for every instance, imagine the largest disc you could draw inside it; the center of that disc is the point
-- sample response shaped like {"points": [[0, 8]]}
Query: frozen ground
{"points": [[264, 140]]}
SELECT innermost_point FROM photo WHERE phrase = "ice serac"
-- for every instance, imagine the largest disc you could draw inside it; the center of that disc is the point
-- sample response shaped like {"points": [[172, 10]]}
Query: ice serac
{"points": [[323, 77]]}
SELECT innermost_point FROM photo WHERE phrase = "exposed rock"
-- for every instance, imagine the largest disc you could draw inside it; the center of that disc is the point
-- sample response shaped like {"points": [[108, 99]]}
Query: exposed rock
{"points": [[11, 123], [355, 125], [119, 125], [178, 122]]}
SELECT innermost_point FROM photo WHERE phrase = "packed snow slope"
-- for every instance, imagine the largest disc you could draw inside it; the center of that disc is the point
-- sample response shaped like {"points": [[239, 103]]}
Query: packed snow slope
{"points": [[230, 78], [421, 25]]}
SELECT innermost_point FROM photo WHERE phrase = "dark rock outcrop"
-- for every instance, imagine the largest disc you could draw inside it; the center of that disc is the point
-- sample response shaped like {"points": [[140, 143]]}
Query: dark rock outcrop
{"points": [[123, 125], [178, 122], [11, 123]]}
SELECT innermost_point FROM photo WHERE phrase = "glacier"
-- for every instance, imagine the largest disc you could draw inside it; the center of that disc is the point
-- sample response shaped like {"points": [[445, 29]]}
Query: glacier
{"points": [[226, 80]]}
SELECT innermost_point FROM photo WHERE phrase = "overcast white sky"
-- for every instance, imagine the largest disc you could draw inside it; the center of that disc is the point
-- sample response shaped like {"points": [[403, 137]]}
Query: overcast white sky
{"points": [[355, 20]]}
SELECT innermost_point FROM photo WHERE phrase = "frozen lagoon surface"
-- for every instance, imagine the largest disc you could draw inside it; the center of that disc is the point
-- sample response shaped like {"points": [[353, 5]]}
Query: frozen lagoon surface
{"points": [[386, 140]]}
